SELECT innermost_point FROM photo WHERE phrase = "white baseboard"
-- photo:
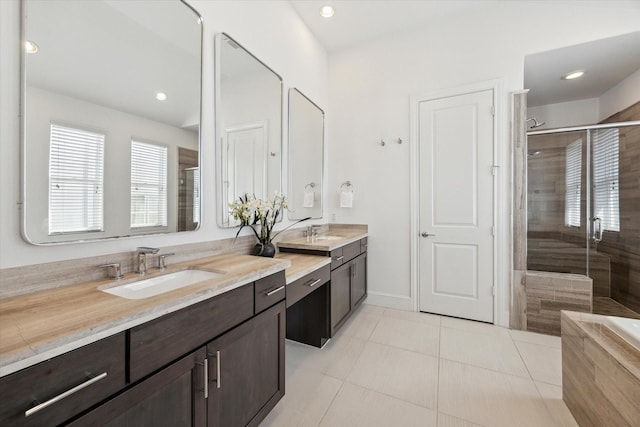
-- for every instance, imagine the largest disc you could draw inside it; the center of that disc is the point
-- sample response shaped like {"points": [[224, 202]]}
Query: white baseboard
{"points": [[398, 302]]}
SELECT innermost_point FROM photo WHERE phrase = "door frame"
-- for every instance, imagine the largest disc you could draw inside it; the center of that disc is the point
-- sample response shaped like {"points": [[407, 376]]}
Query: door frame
{"points": [[501, 292]]}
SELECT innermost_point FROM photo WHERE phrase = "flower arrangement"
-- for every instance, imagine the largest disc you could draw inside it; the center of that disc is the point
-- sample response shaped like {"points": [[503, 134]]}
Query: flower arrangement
{"points": [[250, 211]]}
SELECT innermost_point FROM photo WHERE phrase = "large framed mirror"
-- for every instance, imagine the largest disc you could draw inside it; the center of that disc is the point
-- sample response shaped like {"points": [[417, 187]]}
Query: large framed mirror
{"points": [[306, 157], [111, 117], [248, 126]]}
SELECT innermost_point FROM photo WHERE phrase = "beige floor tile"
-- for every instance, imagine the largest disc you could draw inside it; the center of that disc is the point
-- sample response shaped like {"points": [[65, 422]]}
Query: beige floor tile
{"points": [[494, 351], [357, 406], [543, 362], [473, 326], [360, 325], [307, 398], [534, 338], [552, 396], [399, 373], [335, 359], [490, 398], [419, 337], [431, 319], [446, 420], [374, 310]]}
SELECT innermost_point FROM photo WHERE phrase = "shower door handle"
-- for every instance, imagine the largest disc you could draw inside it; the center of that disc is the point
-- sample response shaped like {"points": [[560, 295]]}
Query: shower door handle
{"points": [[597, 230]]}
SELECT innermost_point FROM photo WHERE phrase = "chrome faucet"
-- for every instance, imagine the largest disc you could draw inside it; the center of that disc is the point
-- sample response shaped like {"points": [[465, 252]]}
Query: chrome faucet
{"points": [[142, 258]]}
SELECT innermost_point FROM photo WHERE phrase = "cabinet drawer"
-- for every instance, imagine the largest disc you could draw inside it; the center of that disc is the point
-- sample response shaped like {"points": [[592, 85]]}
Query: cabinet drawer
{"points": [[269, 290], [156, 343], [364, 246], [350, 251], [70, 383], [337, 258], [307, 284]]}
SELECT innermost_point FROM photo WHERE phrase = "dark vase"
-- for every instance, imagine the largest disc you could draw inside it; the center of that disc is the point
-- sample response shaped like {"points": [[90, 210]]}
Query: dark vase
{"points": [[266, 250]]}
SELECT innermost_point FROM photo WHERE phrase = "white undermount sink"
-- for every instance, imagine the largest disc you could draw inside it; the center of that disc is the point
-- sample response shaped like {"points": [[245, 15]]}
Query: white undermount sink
{"points": [[329, 237], [153, 286]]}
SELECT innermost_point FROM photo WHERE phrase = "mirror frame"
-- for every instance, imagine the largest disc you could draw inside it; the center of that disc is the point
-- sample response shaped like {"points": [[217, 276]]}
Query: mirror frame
{"points": [[289, 157], [23, 142], [222, 214]]}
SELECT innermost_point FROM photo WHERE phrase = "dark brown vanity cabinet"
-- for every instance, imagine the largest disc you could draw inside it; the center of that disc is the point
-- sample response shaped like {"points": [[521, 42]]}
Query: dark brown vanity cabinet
{"points": [[348, 289], [348, 280], [214, 363], [246, 370]]}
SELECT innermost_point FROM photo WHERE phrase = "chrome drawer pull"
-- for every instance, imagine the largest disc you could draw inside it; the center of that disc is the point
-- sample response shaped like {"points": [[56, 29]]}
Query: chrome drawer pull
{"points": [[312, 282], [206, 378], [65, 394], [218, 368], [340, 258], [275, 290]]}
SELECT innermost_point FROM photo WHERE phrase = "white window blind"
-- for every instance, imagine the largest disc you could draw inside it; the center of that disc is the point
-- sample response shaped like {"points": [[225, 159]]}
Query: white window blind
{"points": [[196, 195], [606, 196], [148, 185], [76, 164], [573, 184]]}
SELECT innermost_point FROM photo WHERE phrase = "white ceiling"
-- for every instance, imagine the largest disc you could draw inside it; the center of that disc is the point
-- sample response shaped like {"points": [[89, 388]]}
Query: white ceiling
{"points": [[607, 61]]}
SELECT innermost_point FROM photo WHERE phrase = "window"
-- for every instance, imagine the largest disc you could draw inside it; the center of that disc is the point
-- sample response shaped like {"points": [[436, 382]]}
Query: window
{"points": [[606, 198], [196, 195], [76, 164], [573, 184], [148, 185]]}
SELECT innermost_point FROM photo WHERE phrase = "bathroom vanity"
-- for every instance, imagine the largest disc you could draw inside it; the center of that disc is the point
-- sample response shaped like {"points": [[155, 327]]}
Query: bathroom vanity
{"points": [[211, 353], [346, 247]]}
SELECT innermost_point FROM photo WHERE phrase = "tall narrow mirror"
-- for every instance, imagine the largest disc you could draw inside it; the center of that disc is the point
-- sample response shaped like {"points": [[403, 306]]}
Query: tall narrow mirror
{"points": [[248, 126], [306, 149], [111, 117]]}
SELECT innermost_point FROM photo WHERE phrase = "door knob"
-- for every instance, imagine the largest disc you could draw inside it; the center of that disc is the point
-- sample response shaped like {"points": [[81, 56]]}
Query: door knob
{"points": [[425, 234]]}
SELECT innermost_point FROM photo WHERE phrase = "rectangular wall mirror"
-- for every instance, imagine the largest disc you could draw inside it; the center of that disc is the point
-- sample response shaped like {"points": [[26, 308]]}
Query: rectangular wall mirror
{"points": [[306, 157], [248, 126], [111, 117]]}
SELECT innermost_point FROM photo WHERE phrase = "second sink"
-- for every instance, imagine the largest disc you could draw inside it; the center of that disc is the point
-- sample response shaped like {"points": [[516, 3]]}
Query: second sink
{"points": [[160, 284]]}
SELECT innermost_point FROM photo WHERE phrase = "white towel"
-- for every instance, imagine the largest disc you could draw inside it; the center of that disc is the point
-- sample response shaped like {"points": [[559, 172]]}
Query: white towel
{"points": [[346, 199], [308, 199]]}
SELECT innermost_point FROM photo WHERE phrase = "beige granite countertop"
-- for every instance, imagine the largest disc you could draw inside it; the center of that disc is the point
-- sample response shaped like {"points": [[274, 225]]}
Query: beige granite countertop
{"points": [[339, 235], [302, 264], [41, 325]]}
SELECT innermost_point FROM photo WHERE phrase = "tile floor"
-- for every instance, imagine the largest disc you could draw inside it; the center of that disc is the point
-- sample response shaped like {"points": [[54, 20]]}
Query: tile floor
{"points": [[394, 368]]}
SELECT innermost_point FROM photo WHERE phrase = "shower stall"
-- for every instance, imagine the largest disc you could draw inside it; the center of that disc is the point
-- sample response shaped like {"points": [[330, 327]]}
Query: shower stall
{"points": [[583, 209]]}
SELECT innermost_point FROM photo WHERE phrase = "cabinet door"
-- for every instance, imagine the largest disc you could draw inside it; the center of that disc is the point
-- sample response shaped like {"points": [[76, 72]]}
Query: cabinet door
{"points": [[358, 280], [246, 370], [340, 295], [174, 396]]}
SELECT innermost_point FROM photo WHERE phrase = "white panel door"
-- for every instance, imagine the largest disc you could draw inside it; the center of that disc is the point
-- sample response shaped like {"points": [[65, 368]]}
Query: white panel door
{"points": [[246, 170], [456, 206]]}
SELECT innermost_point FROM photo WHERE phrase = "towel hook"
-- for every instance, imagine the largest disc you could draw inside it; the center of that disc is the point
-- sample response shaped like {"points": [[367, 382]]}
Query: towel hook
{"points": [[346, 186]]}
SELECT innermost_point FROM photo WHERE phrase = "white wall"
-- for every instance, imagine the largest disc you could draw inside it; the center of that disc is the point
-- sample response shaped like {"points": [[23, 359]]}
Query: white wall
{"points": [[621, 96], [564, 114], [271, 30], [370, 86]]}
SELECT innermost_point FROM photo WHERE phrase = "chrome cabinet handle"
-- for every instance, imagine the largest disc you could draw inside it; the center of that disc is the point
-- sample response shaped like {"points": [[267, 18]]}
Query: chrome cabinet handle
{"points": [[273, 291], [67, 393], [425, 234], [206, 378], [312, 282], [218, 368], [340, 258]]}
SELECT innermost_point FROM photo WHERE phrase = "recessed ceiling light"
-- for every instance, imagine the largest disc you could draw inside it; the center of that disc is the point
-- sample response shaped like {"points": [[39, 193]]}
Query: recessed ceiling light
{"points": [[573, 75], [30, 47], [161, 96], [327, 11]]}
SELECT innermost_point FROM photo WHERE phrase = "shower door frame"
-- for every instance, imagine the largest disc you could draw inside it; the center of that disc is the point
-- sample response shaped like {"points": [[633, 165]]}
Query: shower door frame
{"points": [[589, 184]]}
